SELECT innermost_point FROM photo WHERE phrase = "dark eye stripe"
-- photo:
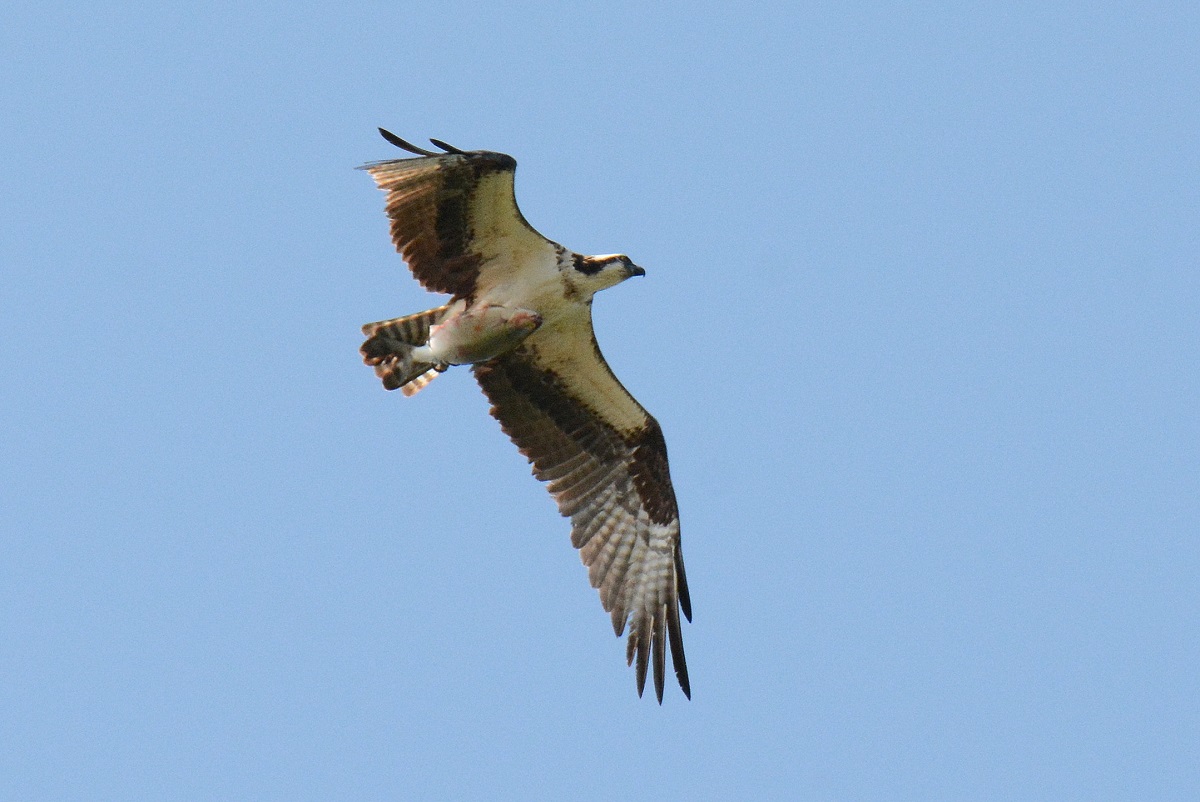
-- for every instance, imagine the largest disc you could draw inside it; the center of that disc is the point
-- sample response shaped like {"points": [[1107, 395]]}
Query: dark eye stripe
{"points": [[588, 267]]}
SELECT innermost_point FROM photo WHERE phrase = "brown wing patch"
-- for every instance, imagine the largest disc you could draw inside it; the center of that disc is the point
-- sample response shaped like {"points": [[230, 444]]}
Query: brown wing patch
{"points": [[616, 488], [438, 210], [651, 476]]}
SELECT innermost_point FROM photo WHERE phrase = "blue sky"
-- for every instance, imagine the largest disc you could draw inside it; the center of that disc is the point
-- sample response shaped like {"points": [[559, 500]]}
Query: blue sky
{"points": [[920, 325]]}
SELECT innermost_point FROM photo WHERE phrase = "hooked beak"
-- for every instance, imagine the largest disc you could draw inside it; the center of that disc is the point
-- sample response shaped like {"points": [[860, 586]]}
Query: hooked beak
{"points": [[634, 270]]}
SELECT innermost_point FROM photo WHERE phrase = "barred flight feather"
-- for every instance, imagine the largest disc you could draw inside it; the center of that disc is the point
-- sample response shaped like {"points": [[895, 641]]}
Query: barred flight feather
{"points": [[615, 489]]}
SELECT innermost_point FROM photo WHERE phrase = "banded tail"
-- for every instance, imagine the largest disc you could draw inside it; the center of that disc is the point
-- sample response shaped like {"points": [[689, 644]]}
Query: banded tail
{"points": [[389, 348]]}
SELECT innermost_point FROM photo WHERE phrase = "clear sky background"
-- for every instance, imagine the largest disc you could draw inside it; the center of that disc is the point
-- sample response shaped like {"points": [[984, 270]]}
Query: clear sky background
{"points": [[921, 325]]}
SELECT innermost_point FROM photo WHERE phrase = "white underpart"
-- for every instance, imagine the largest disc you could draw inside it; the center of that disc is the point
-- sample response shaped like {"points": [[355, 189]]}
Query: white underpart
{"points": [[520, 267]]}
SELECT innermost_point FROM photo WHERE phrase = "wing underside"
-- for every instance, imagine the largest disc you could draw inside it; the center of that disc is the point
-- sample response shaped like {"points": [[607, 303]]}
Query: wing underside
{"points": [[614, 484], [452, 213]]}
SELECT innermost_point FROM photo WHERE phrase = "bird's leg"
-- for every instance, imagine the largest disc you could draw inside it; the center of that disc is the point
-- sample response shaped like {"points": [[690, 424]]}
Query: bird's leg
{"points": [[481, 332]]}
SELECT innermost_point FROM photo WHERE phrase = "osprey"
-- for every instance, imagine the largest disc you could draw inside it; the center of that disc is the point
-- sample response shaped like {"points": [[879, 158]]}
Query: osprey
{"points": [[520, 314]]}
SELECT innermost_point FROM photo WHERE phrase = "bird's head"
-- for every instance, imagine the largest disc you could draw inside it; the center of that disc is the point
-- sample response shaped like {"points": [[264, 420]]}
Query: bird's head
{"points": [[590, 274]]}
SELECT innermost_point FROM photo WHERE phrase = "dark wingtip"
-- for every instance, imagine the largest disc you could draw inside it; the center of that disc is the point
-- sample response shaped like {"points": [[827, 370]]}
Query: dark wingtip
{"points": [[681, 674], [678, 660], [681, 585], [404, 145], [658, 647], [448, 148]]}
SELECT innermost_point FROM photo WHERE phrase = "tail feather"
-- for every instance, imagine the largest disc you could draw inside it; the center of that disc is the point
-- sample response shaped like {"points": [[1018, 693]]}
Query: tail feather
{"points": [[389, 349], [418, 384], [410, 329]]}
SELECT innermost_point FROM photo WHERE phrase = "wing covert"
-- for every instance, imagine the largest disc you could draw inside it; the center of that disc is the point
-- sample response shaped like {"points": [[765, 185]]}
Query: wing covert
{"points": [[614, 484]]}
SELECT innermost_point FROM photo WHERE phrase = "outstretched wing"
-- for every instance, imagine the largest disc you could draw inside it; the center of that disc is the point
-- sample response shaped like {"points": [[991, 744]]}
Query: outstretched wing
{"points": [[453, 214], [605, 460]]}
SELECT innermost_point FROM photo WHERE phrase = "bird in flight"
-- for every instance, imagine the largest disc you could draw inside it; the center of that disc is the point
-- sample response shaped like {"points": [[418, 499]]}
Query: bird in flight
{"points": [[520, 314]]}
